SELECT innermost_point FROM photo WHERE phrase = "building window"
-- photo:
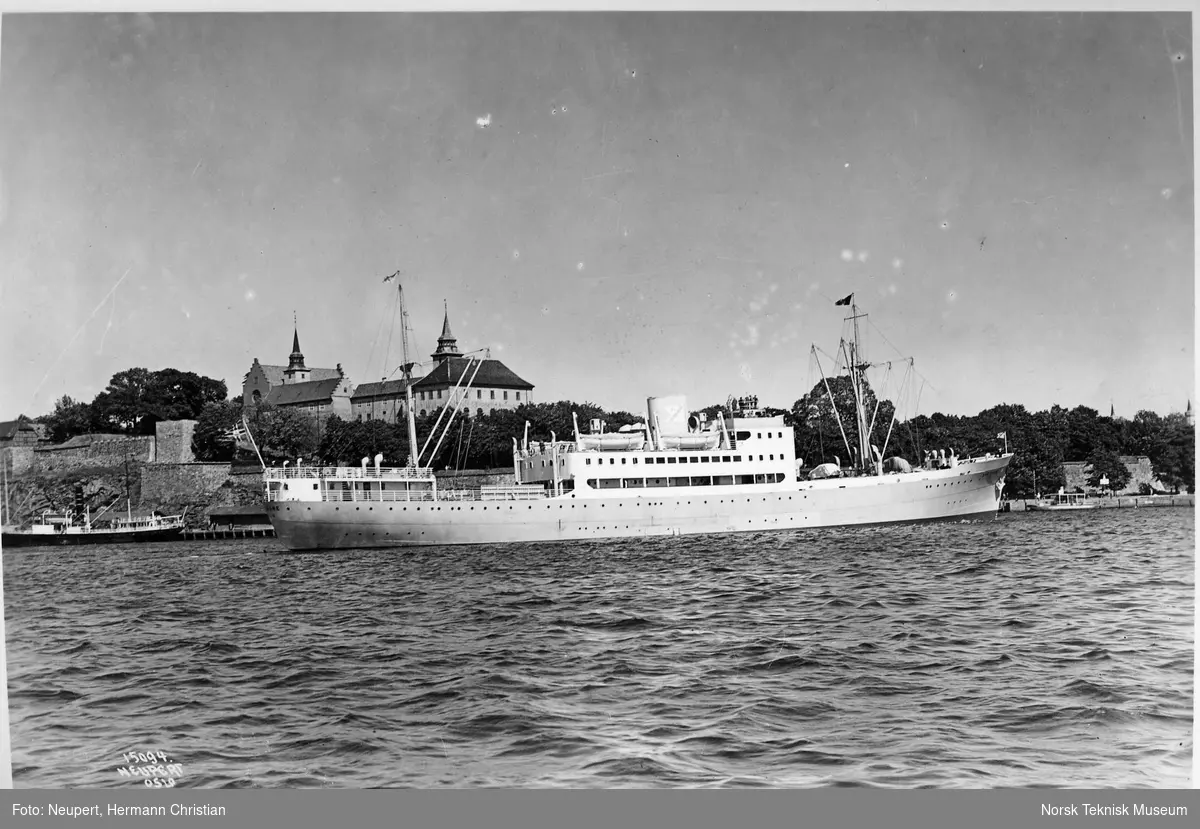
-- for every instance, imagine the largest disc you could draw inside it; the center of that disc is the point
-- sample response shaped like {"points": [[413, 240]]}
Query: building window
{"points": [[506, 395], [479, 412], [478, 394], [439, 394], [422, 412], [493, 394], [518, 395], [368, 417]]}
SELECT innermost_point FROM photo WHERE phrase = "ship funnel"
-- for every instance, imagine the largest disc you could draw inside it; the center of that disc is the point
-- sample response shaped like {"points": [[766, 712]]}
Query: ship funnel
{"points": [[378, 460], [365, 461]]}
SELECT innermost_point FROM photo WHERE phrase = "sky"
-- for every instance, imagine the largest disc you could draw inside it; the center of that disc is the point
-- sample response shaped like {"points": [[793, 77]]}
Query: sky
{"points": [[618, 205]]}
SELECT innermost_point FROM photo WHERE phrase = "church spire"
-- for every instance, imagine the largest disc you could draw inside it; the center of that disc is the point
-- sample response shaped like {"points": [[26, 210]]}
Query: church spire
{"points": [[296, 370], [447, 344]]}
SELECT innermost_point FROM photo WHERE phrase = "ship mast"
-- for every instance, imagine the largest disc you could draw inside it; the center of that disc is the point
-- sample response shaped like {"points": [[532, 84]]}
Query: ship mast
{"points": [[857, 366], [408, 397]]}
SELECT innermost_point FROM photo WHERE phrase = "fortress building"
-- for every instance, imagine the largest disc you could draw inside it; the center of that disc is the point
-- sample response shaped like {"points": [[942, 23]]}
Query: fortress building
{"points": [[320, 392], [495, 386]]}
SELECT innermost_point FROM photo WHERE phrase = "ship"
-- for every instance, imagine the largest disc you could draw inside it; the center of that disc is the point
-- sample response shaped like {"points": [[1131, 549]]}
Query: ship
{"points": [[69, 528], [77, 525], [1062, 501], [678, 474]]}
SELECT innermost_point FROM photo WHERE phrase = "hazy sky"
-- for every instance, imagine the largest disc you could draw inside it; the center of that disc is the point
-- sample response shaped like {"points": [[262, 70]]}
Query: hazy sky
{"points": [[619, 205]]}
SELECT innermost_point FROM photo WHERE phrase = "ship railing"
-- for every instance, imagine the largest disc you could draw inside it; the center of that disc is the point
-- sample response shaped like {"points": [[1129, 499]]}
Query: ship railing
{"points": [[538, 448], [350, 472], [375, 496]]}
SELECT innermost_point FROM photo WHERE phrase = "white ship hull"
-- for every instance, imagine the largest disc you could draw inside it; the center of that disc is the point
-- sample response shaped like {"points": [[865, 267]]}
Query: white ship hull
{"points": [[970, 490]]}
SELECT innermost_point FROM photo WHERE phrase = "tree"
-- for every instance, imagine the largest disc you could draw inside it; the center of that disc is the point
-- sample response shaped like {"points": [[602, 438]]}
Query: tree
{"points": [[210, 439], [283, 432], [181, 395], [1107, 464], [122, 406], [69, 418]]}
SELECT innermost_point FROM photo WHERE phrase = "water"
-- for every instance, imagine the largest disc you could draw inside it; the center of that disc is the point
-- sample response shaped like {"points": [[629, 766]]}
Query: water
{"points": [[1036, 650]]}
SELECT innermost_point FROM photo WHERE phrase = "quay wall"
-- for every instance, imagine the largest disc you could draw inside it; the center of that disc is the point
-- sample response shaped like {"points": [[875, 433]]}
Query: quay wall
{"points": [[1126, 502], [169, 487]]}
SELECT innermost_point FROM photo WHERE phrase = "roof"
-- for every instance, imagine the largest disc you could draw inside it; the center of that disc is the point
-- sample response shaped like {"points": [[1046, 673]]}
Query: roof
{"points": [[492, 374], [388, 387], [274, 374], [311, 391], [9, 428]]}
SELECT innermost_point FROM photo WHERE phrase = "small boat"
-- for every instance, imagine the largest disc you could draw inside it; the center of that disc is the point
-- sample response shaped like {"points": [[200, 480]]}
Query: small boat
{"points": [[612, 442], [1062, 501], [67, 529]]}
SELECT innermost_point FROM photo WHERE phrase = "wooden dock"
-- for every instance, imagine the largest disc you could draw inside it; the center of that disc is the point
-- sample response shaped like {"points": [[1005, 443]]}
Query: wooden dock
{"points": [[225, 533], [1119, 502]]}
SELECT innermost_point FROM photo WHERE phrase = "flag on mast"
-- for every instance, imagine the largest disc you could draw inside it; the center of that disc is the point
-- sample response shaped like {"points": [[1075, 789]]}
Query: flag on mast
{"points": [[390, 277], [844, 300]]}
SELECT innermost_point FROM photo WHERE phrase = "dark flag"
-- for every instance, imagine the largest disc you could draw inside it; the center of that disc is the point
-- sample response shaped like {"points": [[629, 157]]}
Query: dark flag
{"points": [[391, 277], [845, 300]]}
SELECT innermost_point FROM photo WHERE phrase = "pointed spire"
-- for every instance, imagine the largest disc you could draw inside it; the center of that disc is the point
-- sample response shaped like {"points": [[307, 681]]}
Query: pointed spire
{"points": [[447, 344], [295, 359]]}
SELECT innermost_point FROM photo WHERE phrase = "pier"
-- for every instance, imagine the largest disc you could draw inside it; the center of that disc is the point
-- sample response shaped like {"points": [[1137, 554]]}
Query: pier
{"points": [[1118, 502], [228, 533]]}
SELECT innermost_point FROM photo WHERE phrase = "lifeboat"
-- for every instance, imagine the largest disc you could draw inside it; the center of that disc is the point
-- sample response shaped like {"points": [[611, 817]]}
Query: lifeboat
{"points": [[612, 442], [704, 440]]}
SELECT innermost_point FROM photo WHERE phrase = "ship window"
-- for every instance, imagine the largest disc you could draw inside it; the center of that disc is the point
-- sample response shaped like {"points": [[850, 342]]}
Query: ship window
{"points": [[722, 480], [679, 481], [656, 482], [623, 460], [743, 436], [772, 457], [693, 459], [670, 460], [314, 486], [725, 458], [635, 460], [760, 457], [760, 435], [587, 461], [592, 483], [660, 460], [610, 483], [745, 479], [634, 483], [703, 480], [737, 457]]}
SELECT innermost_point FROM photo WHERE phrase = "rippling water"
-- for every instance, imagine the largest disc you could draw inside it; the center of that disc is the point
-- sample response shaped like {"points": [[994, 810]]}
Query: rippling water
{"points": [[1035, 650]]}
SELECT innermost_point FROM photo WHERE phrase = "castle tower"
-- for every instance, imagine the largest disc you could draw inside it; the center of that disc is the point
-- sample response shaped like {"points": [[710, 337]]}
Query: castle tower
{"points": [[1189, 415], [296, 371], [447, 343]]}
